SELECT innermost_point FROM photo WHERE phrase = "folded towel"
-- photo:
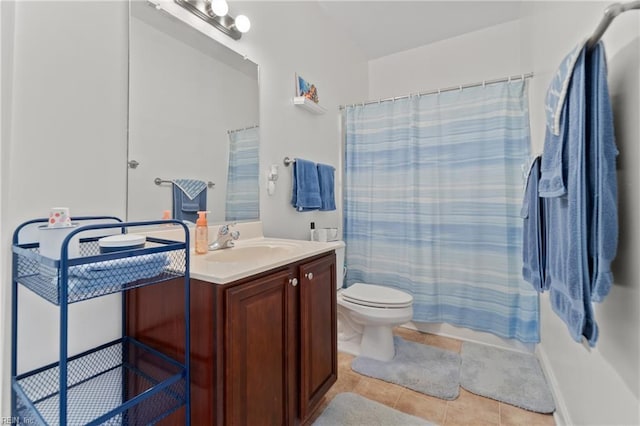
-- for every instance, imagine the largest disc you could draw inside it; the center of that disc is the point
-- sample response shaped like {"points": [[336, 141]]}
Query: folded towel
{"points": [[189, 197], [306, 187], [114, 273], [533, 253], [327, 191], [191, 187]]}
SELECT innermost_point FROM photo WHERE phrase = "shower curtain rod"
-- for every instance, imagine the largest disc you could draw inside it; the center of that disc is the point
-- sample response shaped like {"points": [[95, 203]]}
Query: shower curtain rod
{"points": [[243, 128], [610, 13], [446, 89]]}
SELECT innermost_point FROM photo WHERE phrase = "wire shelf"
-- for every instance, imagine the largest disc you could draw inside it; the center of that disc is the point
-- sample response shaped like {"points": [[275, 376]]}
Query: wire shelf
{"points": [[122, 382], [94, 274]]}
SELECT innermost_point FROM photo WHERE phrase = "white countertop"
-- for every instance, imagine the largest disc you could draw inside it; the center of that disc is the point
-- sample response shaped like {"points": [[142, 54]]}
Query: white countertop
{"points": [[253, 253], [204, 268]]}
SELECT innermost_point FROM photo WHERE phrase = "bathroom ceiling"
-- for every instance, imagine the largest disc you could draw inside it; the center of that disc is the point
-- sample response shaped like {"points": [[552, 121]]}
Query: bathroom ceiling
{"points": [[382, 28]]}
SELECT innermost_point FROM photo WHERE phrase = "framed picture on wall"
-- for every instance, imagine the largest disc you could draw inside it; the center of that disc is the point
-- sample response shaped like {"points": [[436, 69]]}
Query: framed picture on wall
{"points": [[306, 89]]}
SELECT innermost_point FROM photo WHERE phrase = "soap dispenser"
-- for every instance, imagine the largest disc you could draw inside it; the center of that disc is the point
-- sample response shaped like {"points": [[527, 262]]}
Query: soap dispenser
{"points": [[202, 233]]}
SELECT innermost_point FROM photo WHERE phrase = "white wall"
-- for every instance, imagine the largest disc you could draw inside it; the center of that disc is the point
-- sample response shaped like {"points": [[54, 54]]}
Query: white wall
{"points": [[597, 386], [314, 48], [486, 54], [65, 74], [68, 66]]}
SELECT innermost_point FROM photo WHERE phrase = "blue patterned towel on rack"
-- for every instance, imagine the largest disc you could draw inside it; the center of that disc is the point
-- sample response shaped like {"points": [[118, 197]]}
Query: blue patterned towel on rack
{"points": [[191, 187], [114, 273], [189, 197]]}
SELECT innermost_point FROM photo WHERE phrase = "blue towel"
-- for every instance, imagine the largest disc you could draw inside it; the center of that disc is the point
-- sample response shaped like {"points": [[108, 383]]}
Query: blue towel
{"points": [[563, 166], [533, 238], [327, 191], [189, 197], [578, 177], [602, 165], [306, 187], [91, 277]]}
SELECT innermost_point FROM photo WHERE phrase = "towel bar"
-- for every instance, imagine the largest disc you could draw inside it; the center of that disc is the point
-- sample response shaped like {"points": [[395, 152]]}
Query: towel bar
{"points": [[287, 161], [159, 181]]}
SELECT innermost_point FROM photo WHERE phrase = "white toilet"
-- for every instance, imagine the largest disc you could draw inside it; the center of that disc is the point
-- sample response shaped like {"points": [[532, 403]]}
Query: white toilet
{"points": [[367, 314]]}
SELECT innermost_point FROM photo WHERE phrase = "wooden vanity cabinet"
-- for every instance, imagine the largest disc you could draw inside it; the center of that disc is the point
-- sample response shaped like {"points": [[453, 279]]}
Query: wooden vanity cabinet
{"points": [[263, 349]]}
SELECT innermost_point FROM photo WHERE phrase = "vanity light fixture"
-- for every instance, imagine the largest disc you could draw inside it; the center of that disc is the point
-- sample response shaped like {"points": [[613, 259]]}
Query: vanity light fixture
{"points": [[219, 7], [215, 12], [242, 23]]}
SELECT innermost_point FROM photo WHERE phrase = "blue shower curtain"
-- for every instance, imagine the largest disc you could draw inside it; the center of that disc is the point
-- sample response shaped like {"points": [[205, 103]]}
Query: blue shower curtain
{"points": [[432, 199], [242, 201]]}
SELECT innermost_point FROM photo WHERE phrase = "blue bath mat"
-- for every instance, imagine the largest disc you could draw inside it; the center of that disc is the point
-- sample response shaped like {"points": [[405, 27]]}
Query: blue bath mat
{"points": [[352, 409], [425, 369], [507, 376]]}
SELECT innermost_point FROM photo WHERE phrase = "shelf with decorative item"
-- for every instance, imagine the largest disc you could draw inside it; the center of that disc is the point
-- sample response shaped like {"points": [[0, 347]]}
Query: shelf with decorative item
{"points": [[309, 105]]}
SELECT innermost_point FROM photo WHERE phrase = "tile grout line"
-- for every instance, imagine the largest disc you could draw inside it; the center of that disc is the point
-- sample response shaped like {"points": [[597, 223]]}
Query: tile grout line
{"points": [[395, 404]]}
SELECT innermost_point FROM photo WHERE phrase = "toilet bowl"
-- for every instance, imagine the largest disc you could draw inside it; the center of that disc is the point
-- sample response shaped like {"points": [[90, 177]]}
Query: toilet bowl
{"points": [[367, 314]]}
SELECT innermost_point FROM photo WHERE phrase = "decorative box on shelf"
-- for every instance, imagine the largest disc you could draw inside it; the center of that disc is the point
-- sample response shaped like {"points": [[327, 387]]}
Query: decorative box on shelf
{"points": [[309, 105]]}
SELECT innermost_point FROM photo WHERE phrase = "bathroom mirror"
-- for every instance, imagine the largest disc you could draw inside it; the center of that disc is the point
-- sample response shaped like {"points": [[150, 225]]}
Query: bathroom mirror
{"points": [[193, 114]]}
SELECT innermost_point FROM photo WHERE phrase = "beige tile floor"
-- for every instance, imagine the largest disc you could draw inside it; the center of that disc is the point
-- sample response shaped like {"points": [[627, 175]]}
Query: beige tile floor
{"points": [[467, 409]]}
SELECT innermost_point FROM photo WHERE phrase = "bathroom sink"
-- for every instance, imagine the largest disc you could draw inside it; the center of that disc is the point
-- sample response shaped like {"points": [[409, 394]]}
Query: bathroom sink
{"points": [[253, 253]]}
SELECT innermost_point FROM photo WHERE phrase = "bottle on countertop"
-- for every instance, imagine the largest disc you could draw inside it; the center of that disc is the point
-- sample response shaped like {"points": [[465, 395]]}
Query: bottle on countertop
{"points": [[202, 233], [312, 233]]}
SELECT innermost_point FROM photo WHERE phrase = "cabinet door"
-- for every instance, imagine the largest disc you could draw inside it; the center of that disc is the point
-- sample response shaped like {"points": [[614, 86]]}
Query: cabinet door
{"points": [[256, 351], [318, 346]]}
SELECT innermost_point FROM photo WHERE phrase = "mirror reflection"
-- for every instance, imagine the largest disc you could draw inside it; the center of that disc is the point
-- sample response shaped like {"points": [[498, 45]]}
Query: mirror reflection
{"points": [[193, 121]]}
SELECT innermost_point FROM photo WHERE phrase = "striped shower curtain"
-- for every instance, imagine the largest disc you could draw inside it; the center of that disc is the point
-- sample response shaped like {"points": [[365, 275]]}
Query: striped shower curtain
{"points": [[432, 198], [242, 202]]}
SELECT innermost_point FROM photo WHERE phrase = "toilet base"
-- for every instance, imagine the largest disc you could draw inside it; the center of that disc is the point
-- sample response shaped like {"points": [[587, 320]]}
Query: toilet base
{"points": [[377, 343]]}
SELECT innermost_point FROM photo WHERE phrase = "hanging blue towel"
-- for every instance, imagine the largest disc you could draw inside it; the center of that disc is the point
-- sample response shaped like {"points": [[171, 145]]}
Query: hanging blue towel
{"points": [[578, 177], [602, 182], [189, 197], [532, 213], [306, 187], [563, 181], [327, 187]]}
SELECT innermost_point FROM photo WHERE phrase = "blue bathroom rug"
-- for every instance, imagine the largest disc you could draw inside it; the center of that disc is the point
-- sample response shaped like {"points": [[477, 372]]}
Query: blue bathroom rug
{"points": [[351, 409], [422, 368], [507, 376]]}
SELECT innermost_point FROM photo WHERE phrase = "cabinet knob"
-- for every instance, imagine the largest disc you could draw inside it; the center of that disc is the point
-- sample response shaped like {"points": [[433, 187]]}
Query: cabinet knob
{"points": [[293, 281], [309, 275]]}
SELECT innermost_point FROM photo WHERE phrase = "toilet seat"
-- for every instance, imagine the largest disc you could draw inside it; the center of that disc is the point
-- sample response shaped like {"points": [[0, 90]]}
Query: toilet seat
{"points": [[376, 296]]}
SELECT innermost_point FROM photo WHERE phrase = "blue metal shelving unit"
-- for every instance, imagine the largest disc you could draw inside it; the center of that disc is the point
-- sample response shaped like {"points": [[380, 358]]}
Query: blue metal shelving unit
{"points": [[124, 381]]}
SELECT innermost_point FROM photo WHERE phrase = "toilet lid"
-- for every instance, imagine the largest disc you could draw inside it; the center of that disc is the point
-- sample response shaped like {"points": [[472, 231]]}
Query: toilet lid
{"points": [[377, 296]]}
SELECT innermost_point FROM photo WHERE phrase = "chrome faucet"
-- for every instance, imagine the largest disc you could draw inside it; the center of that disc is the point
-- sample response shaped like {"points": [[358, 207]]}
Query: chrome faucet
{"points": [[225, 238]]}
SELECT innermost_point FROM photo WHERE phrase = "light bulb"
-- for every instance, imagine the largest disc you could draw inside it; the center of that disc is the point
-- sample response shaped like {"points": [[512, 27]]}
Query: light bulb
{"points": [[219, 7], [243, 23]]}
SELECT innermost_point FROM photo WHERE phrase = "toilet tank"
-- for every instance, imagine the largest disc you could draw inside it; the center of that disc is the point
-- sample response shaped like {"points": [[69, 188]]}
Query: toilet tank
{"points": [[340, 271]]}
